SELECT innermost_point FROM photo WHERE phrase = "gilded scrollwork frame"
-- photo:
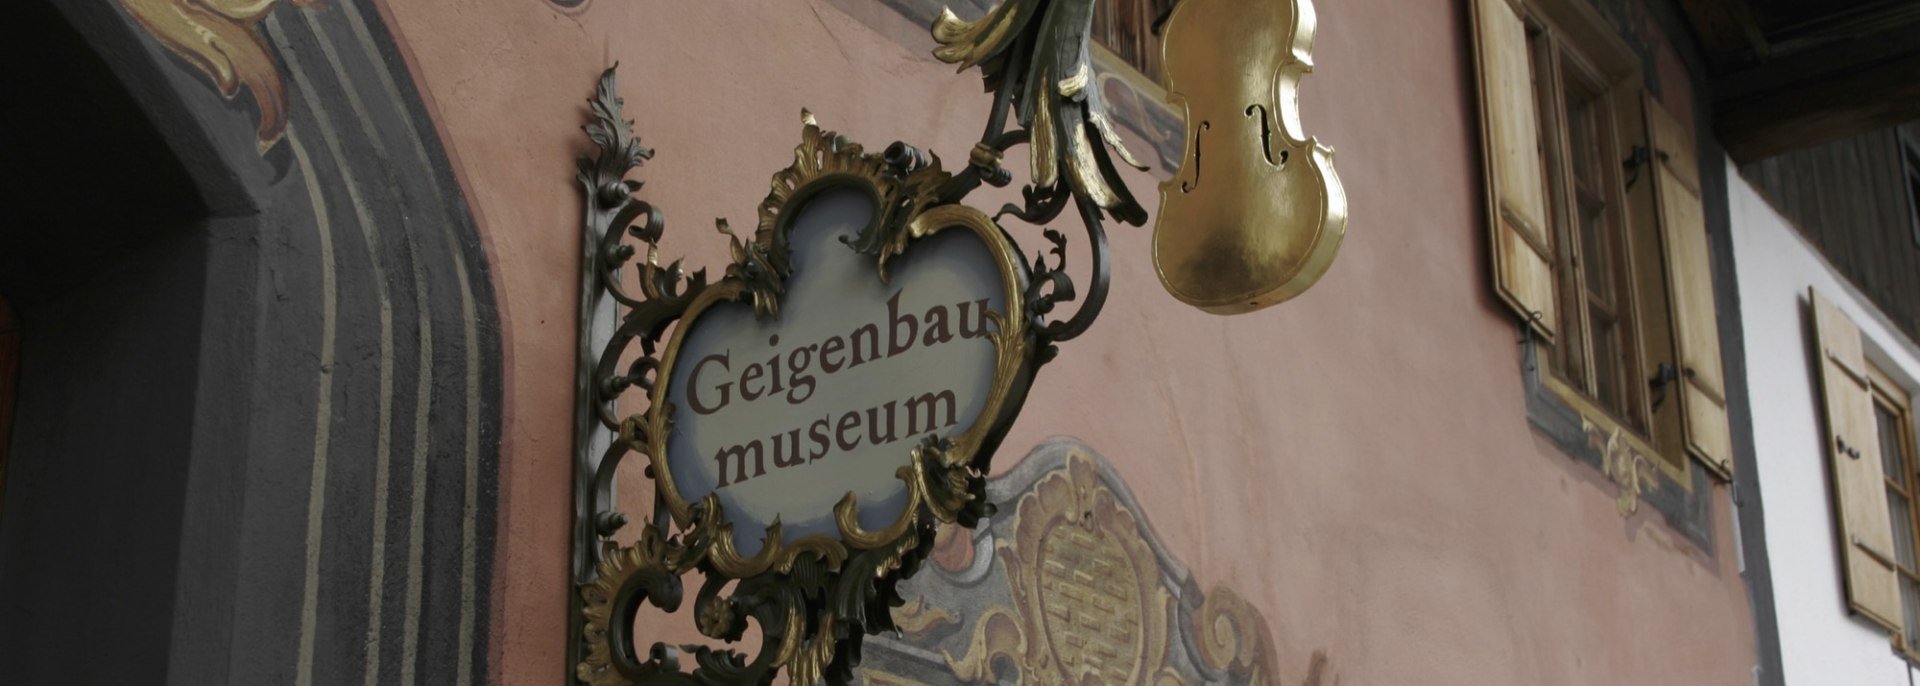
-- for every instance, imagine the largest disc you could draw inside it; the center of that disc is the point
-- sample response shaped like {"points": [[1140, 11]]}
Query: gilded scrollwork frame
{"points": [[826, 162]]}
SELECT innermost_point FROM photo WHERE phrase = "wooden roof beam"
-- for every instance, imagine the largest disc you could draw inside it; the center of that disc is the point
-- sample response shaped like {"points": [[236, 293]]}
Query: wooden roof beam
{"points": [[1820, 95], [1727, 30]]}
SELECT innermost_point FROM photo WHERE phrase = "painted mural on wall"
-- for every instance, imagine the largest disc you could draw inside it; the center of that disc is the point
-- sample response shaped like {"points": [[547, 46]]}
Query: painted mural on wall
{"points": [[1625, 466], [1069, 585], [222, 39]]}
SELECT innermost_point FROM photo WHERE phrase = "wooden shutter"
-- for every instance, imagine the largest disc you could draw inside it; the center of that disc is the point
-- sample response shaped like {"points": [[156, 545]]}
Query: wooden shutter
{"points": [[1853, 452], [1696, 333], [1516, 185]]}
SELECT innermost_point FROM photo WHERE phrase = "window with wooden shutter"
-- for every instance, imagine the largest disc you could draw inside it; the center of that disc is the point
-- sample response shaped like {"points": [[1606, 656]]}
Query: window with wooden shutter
{"points": [[1598, 233], [1696, 333], [1516, 190], [1853, 449], [1893, 418]]}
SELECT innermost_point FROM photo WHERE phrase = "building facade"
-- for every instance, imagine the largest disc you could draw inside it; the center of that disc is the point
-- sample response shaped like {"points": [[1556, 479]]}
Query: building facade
{"points": [[1815, 309], [290, 329]]}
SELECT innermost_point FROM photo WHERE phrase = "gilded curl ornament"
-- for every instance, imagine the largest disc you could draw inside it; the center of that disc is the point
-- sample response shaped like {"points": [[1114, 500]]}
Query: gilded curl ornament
{"points": [[1037, 52], [221, 38]]}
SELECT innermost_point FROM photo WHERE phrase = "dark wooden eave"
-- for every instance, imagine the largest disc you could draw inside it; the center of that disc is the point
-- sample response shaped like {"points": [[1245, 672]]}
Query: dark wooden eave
{"points": [[1789, 74]]}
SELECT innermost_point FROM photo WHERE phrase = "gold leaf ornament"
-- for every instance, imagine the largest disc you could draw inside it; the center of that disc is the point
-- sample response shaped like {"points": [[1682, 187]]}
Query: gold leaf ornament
{"points": [[1071, 131], [222, 39]]}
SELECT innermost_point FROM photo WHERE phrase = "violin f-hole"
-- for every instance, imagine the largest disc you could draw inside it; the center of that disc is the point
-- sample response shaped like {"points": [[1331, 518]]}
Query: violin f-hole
{"points": [[1188, 186], [1266, 136]]}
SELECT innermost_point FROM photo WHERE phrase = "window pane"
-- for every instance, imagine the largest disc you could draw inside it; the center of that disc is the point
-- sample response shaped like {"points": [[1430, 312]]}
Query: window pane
{"points": [[1910, 600], [1593, 225], [1607, 372], [1587, 204], [1583, 136], [1570, 348], [1893, 457], [1593, 244], [1900, 512]]}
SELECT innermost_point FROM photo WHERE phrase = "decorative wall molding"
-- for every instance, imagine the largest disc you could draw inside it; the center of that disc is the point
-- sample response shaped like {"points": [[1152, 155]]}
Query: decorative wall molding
{"points": [[1069, 584], [1684, 505]]}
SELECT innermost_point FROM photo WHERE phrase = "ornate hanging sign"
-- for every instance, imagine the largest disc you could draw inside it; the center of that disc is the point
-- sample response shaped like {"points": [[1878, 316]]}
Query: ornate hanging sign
{"points": [[803, 394], [811, 416]]}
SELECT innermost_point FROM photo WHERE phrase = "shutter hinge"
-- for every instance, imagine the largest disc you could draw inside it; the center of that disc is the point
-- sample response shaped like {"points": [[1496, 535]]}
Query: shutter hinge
{"points": [[1640, 157], [1663, 375]]}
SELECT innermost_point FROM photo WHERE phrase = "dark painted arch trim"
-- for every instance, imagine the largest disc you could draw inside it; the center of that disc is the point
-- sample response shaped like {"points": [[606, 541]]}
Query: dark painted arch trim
{"points": [[197, 134], [356, 214]]}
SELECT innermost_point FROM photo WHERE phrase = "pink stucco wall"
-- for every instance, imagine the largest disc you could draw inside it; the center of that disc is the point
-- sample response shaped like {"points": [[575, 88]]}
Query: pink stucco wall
{"points": [[1357, 463]]}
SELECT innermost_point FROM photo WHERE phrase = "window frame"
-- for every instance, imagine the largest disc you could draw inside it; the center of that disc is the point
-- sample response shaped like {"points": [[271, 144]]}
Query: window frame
{"points": [[1667, 214], [1602, 59], [1566, 60], [1890, 395]]}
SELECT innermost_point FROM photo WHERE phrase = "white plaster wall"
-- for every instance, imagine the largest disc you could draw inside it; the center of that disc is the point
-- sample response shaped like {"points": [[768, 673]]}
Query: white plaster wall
{"points": [[1821, 643]]}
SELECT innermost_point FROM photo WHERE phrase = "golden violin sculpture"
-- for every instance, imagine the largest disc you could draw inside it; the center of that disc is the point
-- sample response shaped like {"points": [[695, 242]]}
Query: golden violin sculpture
{"points": [[1255, 215]]}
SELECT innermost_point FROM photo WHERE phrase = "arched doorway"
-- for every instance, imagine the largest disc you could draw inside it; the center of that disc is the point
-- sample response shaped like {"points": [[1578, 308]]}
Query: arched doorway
{"points": [[102, 269], [256, 407]]}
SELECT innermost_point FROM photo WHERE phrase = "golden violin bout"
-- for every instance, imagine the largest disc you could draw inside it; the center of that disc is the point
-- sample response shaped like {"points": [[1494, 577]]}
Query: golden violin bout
{"points": [[1256, 214]]}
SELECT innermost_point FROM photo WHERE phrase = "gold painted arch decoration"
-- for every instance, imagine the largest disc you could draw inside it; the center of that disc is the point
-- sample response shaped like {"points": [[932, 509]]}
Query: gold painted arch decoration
{"points": [[221, 38]]}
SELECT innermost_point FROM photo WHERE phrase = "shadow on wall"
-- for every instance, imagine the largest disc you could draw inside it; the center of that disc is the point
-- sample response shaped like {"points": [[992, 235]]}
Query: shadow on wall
{"points": [[100, 259]]}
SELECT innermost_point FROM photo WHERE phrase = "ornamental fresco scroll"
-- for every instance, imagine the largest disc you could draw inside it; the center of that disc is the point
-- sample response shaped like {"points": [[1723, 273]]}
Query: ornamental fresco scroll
{"points": [[1069, 585], [222, 39], [785, 477]]}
